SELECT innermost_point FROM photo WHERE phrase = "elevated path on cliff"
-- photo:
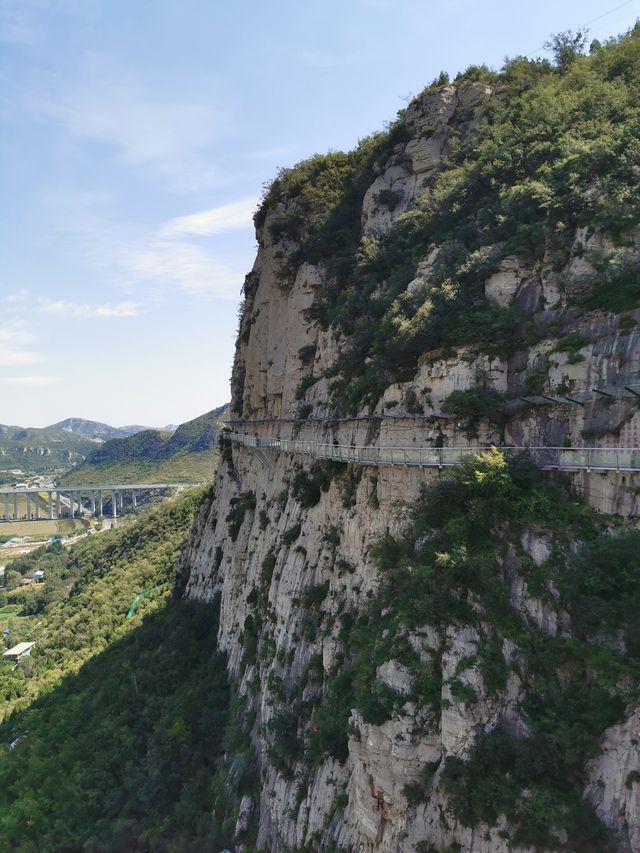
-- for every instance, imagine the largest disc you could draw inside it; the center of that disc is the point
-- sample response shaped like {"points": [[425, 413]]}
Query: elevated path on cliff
{"points": [[552, 458]]}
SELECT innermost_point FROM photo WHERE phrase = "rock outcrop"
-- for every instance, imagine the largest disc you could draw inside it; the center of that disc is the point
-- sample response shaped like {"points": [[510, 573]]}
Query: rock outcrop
{"points": [[290, 571]]}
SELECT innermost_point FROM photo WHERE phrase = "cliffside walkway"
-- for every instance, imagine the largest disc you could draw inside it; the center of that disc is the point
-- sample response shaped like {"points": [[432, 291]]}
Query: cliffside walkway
{"points": [[552, 458]]}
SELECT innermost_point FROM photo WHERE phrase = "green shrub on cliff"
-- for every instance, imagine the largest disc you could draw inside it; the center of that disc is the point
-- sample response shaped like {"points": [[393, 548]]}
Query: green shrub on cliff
{"points": [[474, 404], [453, 568], [558, 150]]}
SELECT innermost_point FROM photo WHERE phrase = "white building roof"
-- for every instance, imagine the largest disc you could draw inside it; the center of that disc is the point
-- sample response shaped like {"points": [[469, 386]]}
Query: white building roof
{"points": [[20, 649]]}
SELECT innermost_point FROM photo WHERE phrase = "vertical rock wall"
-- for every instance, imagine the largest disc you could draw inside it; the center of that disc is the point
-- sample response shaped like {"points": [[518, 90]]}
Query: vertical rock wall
{"points": [[254, 542]]}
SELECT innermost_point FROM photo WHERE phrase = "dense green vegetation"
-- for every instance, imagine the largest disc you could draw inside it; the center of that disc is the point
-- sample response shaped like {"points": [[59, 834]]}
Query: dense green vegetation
{"points": [[122, 755], [116, 724], [557, 151], [450, 570], [79, 611], [190, 454], [474, 404]]}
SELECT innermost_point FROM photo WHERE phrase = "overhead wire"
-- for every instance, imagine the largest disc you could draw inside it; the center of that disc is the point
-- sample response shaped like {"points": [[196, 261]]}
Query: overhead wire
{"points": [[587, 24]]}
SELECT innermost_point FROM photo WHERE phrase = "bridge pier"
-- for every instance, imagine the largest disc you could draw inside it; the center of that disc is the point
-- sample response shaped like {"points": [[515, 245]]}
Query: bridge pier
{"points": [[50, 502]]}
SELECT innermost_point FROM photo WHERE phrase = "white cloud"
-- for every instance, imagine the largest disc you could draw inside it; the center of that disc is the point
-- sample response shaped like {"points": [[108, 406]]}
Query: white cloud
{"points": [[143, 263], [14, 298], [191, 268], [14, 341], [168, 135], [76, 310], [10, 357], [37, 381], [216, 220]]}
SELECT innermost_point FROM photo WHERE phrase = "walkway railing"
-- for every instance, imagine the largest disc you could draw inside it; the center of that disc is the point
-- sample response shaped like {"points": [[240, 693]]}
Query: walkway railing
{"points": [[564, 458]]}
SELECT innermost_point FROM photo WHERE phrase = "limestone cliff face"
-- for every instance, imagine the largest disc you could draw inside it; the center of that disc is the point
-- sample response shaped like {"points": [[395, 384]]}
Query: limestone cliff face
{"points": [[287, 573]]}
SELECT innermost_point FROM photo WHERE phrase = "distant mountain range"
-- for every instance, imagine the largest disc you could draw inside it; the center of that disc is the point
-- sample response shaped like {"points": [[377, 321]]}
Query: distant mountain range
{"points": [[61, 450], [95, 429], [40, 451], [188, 454]]}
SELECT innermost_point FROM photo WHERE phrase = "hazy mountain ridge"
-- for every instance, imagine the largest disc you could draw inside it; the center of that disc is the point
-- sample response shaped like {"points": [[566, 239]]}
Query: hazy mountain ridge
{"points": [[96, 429], [45, 450], [190, 454], [55, 449]]}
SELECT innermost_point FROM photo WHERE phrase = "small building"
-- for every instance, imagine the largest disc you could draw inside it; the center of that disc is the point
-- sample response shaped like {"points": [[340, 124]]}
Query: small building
{"points": [[22, 650]]}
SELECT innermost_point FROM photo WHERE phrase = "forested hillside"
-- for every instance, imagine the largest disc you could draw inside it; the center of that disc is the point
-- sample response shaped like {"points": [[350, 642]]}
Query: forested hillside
{"points": [[113, 726], [190, 454], [40, 451], [541, 160], [79, 610]]}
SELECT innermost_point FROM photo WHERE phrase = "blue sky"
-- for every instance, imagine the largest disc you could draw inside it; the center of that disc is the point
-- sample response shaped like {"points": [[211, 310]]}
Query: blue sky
{"points": [[136, 138]]}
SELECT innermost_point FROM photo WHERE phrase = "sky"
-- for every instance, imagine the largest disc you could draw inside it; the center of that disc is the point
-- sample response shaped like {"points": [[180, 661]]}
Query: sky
{"points": [[136, 140]]}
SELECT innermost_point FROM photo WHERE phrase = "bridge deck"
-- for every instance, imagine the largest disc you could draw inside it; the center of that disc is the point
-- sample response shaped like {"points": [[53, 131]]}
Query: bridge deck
{"points": [[93, 488]]}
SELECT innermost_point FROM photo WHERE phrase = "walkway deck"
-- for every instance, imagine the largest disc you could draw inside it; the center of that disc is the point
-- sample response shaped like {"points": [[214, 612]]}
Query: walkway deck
{"points": [[554, 458]]}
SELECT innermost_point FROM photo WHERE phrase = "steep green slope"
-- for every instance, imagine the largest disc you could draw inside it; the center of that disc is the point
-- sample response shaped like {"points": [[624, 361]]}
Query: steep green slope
{"points": [[79, 611], [122, 719], [190, 454], [454, 566], [122, 755]]}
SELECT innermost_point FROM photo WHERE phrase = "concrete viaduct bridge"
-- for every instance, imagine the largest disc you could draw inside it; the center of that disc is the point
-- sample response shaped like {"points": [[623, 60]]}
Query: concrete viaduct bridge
{"points": [[53, 502]]}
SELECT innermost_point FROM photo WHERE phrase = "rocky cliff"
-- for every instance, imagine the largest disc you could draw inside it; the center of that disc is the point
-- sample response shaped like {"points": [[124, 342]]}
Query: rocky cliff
{"points": [[426, 659]]}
